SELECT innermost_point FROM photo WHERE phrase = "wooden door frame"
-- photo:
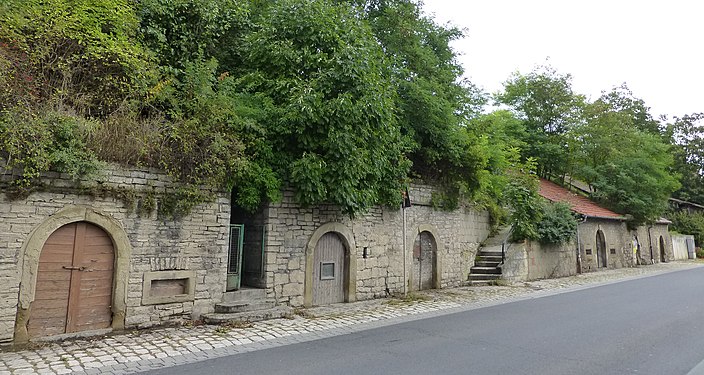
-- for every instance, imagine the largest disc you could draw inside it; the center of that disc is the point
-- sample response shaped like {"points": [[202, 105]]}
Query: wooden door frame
{"points": [[437, 254], [350, 268], [32, 248]]}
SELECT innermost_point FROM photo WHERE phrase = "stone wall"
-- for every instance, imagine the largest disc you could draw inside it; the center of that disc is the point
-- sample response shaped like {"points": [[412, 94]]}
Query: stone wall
{"points": [[620, 243], [531, 260], [194, 247], [378, 232], [679, 246], [649, 239]]}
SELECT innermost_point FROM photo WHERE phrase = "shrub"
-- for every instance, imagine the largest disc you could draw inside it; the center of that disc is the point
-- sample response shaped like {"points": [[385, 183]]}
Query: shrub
{"points": [[558, 224], [50, 140], [689, 223]]}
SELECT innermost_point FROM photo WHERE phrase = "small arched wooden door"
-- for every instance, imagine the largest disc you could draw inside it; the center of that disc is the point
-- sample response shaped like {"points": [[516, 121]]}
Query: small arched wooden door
{"points": [[329, 270], [423, 261], [74, 285]]}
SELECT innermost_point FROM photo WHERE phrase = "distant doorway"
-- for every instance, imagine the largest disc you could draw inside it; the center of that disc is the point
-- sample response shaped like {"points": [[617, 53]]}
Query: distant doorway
{"points": [[601, 260], [424, 261], [663, 255]]}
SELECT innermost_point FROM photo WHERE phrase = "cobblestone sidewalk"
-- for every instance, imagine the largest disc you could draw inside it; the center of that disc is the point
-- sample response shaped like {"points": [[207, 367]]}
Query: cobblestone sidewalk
{"points": [[138, 351]]}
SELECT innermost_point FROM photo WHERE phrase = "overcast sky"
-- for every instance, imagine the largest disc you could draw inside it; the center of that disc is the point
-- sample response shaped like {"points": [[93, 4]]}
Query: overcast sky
{"points": [[655, 46]]}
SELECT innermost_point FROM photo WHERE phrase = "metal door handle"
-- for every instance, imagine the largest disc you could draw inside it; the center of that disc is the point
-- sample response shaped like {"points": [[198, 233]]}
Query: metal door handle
{"points": [[73, 268]]}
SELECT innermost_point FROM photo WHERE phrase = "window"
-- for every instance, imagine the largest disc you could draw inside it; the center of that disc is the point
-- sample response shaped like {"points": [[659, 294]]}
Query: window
{"points": [[327, 270]]}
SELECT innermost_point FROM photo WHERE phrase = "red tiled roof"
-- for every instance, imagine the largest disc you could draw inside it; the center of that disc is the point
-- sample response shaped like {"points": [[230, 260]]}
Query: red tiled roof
{"points": [[577, 203]]}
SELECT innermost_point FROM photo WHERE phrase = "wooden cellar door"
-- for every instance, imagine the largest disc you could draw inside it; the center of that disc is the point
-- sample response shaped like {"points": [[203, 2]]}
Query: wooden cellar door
{"points": [[74, 282], [329, 270], [423, 261]]}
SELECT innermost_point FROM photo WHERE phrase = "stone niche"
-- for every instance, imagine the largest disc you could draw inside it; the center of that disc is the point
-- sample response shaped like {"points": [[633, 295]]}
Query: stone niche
{"points": [[168, 287]]}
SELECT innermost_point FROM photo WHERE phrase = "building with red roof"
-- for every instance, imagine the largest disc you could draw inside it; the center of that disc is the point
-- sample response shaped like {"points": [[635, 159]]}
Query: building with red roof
{"points": [[578, 203], [605, 240]]}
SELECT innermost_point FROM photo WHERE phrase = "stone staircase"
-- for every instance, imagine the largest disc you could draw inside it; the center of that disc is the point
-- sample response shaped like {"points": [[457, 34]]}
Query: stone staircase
{"points": [[246, 305], [487, 266]]}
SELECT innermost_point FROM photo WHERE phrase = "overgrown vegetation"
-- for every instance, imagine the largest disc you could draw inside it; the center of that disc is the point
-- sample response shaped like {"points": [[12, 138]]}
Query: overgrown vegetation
{"points": [[688, 223], [558, 224], [345, 101]]}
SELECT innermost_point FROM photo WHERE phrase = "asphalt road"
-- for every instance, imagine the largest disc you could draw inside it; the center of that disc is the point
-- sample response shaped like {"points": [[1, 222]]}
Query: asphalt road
{"points": [[653, 325]]}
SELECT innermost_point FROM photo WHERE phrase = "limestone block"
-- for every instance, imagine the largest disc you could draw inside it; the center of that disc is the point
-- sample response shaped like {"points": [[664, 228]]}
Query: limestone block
{"points": [[292, 289]]}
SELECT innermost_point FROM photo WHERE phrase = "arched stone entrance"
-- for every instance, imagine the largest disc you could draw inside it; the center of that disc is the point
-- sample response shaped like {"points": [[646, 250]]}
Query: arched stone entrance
{"points": [[331, 266], [601, 259], [32, 252], [426, 258], [74, 285]]}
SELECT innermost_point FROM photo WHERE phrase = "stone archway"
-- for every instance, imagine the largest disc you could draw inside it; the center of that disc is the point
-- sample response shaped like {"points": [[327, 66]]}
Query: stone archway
{"points": [[436, 258], [346, 237], [32, 248]]}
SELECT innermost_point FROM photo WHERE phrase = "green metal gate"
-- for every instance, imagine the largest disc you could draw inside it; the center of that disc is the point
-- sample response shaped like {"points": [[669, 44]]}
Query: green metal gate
{"points": [[234, 261]]}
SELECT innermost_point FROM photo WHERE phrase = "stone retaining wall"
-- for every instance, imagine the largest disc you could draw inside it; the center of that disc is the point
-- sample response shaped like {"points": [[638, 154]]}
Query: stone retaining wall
{"points": [[193, 248], [290, 228]]}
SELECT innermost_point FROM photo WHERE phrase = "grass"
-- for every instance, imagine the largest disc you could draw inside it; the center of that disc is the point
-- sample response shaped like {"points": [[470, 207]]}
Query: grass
{"points": [[409, 299]]}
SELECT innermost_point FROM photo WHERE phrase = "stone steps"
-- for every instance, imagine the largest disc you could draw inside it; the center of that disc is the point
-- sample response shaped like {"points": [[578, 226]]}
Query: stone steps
{"points": [[246, 305], [487, 268], [238, 306], [249, 316], [244, 294]]}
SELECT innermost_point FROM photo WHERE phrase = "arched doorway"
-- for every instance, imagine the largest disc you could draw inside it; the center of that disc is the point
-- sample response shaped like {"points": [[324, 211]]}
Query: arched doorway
{"points": [[601, 260], [74, 284], [424, 261], [335, 234], [663, 255], [330, 270]]}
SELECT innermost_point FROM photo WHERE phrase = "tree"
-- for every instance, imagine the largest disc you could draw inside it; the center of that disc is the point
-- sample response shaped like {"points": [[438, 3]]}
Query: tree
{"points": [[621, 99], [687, 137], [629, 169], [433, 103], [544, 100], [331, 122]]}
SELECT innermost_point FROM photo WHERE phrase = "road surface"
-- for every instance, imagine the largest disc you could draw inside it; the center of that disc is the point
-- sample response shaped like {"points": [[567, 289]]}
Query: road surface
{"points": [[653, 325]]}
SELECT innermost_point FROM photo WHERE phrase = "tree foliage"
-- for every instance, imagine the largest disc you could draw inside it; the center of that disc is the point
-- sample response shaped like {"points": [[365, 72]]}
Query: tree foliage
{"points": [[341, 100], [687, 137], [79, 53], [688, 223], [558, 224], [612, 143], [549, 108], [626, 163], [433, 103]]}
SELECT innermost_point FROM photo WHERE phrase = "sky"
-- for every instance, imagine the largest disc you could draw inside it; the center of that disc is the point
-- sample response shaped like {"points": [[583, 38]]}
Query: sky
{"points": [[656, 47]]}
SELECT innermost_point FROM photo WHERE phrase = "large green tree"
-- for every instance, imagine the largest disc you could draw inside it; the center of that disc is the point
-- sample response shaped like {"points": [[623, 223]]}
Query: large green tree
{"points": [[433, 102], [331, 122], [687, 137], [629, 167], [549, 108]]}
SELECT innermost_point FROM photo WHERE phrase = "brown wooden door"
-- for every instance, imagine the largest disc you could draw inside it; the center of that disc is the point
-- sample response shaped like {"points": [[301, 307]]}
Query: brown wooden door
{"points": [[329, 270], [423, 261], [74, 282]]}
